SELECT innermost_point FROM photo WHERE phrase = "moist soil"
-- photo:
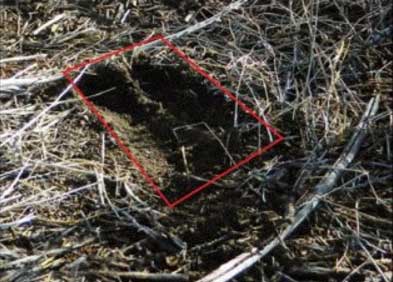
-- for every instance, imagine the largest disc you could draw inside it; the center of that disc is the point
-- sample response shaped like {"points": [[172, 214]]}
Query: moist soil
{"points": [[176, 125], [144, 104]]}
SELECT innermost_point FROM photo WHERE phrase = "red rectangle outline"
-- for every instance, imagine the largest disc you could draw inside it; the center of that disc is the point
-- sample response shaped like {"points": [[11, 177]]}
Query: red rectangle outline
{"points": [[198, 69]]}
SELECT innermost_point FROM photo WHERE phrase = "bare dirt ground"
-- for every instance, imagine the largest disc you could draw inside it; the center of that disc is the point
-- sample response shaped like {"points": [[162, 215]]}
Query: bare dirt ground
{"points": [[73, 207]]}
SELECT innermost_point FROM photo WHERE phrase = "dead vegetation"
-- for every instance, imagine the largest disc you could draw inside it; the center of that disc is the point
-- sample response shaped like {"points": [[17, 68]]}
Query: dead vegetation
{"points": [[316, 208]]}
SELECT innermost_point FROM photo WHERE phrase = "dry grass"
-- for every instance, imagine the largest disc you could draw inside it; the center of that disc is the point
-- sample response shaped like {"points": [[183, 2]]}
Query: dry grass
{"points": [[72, 209]]}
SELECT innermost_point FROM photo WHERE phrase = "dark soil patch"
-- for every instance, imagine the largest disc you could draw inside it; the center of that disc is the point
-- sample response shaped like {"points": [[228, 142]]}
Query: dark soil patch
{"points": [[167, 114], [163, 108]]}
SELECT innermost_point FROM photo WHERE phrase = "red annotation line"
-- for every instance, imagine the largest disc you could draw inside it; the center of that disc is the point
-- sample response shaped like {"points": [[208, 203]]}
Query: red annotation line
{"points": [[93, 109]]}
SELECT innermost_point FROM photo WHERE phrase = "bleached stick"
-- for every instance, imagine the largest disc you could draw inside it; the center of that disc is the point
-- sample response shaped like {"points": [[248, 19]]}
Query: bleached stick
{"points": [[27, 81], [49, 23], [23, 220], [22, 58]]}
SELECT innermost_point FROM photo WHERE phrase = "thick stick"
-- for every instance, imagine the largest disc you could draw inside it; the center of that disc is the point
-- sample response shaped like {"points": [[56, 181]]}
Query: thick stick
{"points": [[244, 261], [27, 81]]}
